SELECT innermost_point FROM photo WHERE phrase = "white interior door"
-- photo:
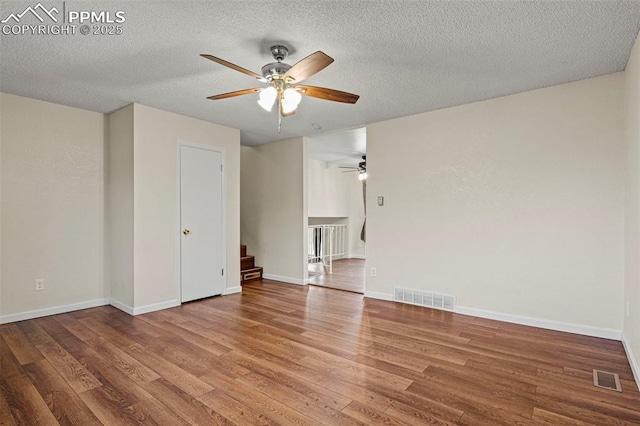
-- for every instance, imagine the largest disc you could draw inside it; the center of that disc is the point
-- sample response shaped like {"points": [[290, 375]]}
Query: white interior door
{"points": [[201, 223]]}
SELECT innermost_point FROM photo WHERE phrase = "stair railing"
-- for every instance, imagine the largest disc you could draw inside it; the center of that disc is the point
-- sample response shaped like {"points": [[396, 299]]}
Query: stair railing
{"points": [[327, 242]]}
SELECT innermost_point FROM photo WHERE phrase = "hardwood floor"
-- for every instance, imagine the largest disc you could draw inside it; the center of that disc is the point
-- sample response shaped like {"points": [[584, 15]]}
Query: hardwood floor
{"points": [[285, 354], [348, 275]]}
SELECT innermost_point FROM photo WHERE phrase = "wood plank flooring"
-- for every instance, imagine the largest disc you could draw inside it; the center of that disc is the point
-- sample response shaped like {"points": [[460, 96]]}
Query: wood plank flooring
{"points": [[348, 275], [284, 354]]}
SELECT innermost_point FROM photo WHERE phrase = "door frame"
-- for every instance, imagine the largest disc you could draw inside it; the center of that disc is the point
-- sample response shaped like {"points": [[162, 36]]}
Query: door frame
{"points": [[178, 227]]}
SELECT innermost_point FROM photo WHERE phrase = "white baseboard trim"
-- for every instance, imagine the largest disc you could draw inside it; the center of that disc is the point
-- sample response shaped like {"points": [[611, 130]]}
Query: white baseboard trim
{"points": [[633, 361], [52, 310], [144, 309], [284, 279], [156, 307], [122, 306], [357, 256], [605, 333], [232, 290], [381, 296]]}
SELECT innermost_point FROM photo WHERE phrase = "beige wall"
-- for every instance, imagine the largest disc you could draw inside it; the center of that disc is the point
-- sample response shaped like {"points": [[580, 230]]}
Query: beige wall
{"points": [[1, 215], [156, 227], [514, 205], [120, 205], [331, 194], [57, 172], [632, 211], [273, 219], [52, 206]]}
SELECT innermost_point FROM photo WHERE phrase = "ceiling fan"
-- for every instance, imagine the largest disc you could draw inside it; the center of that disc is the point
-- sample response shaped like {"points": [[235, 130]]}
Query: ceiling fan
{"points": [[361, 169], [283, 82]]}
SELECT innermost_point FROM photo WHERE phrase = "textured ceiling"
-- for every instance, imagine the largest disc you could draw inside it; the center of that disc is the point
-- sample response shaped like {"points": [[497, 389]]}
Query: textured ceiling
{"points": [[344, 148], [401, 57]]}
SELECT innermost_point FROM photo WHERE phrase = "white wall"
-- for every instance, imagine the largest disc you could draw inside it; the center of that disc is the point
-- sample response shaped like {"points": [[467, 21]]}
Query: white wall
{"points": [[632, 211], [334, 194], [120, 205], [514, 205], [52, 206], [274, 207], [327, 191], [156, 226]]}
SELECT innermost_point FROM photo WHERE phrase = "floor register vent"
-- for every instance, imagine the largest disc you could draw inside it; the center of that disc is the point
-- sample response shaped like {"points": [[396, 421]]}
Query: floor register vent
{"points": [[606, 380], [424, 298]]}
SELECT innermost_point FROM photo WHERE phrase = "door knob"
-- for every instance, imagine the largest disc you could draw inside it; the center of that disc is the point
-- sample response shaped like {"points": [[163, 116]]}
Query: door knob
{"points": [[186, 231]]}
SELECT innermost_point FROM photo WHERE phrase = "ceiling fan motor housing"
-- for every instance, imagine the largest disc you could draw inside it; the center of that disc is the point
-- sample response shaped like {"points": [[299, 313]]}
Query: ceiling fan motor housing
{"points": [[275, 68], [279, 53]]}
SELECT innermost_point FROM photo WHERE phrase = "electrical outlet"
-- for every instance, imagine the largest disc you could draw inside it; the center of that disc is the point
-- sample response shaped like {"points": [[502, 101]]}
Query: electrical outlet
{"points": [[39, 284], [373, 272]]}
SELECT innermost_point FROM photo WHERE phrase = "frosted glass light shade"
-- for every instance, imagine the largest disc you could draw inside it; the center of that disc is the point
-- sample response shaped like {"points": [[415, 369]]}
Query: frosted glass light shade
{"points": [[267, 98], [290, 100]]}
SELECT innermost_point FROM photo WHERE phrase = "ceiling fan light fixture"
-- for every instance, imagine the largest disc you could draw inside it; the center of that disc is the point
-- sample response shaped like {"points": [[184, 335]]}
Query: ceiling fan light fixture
{"points": [[290, 100], [284, 82], [267, 98]]}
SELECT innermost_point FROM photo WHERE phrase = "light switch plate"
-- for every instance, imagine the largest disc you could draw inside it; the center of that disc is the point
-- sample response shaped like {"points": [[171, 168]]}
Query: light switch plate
{"points": [[380, 200]]}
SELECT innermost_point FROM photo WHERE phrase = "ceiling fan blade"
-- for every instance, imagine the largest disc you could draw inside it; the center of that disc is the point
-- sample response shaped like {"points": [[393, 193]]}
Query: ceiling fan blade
{"points": [[234, 67], [347, 167], [308, 66], [350, 171], [232, 94], [328, 94]]}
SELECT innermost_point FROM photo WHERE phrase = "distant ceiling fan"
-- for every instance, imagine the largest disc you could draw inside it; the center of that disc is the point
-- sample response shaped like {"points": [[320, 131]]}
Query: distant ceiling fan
{"points": [[283, 81], [361, 169]]}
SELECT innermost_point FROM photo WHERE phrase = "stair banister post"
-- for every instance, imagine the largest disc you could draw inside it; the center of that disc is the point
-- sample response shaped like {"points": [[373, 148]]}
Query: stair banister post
{"points": [[331, 250]]}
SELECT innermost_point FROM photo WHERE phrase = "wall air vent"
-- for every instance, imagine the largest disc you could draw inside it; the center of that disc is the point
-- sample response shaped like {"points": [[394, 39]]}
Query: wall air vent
{"points": [[424, 298]]}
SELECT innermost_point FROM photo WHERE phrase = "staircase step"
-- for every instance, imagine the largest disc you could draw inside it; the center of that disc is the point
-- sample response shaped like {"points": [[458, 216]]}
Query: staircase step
{"points": [[247, 262], [251, 274], [248, 269]]}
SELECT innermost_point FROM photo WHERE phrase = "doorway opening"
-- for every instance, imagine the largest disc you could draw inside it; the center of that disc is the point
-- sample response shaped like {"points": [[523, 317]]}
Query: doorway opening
{"points": [[336, 183]]}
